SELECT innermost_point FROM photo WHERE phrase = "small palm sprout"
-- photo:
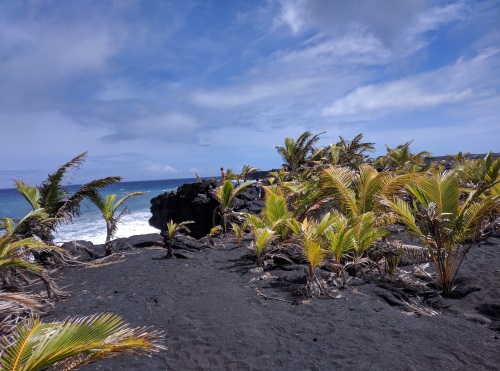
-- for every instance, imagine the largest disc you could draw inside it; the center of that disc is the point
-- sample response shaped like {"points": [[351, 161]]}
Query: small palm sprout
{"points": [[169, 234], [263, 238], [74, 342], [312, 236], [212, 233], [225, 194], [108, 208], [239, 230]]}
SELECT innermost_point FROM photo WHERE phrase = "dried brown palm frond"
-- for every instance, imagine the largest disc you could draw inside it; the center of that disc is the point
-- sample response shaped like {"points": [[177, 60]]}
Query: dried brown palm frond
{"points": [[17, 303], [14, 306]]}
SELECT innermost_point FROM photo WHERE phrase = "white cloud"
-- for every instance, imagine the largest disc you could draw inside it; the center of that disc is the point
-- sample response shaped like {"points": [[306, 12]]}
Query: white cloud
{"points": [[385, 19], [452, 84], [244, 95], [161, 169], [436, 17]]}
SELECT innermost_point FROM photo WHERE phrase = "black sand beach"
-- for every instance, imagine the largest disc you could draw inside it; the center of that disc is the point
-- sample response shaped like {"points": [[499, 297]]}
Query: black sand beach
{"points": [[219, 315]]}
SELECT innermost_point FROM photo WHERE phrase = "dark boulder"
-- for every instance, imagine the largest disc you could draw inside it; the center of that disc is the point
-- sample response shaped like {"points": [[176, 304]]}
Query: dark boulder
{"points": [[197, 202], [139, 241]]}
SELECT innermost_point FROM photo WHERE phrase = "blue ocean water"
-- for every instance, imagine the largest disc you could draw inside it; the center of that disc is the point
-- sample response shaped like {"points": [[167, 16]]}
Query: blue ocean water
{"points": [[90, 225]]}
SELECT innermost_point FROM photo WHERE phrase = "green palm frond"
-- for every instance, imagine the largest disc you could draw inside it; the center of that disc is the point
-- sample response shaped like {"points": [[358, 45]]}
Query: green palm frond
{"points": [[239, 230], [443, 219], [275, 214], [404, 214], [30, 193], [263, 237], [108, 208], [340, 238], [314, 255], [254, 221], [338, 181], [174, 228], [365, 232], [246, 171], [71, 206], [74, 342]]}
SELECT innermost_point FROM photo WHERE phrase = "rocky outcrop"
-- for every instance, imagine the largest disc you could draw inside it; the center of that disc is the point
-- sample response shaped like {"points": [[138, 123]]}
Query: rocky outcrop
{"points": [[197, 202]]}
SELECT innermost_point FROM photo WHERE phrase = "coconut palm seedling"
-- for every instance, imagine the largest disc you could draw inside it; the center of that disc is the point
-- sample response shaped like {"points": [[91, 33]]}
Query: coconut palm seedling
{"points": [[358, 191], [263, 238], [108, 207], [74, 342], [275, 214], [296, 153], [402, 159], [225, 194], [59, 206], [246, 171], [480, 174], [239, 230], [16, 256], [444, 220], [170, 232], [351, 153], [213, 232], [312, 236]]}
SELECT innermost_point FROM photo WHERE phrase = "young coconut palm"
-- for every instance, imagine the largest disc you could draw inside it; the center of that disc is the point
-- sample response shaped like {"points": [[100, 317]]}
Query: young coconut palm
{"points": [[351, 153], [54, 199], [239, 230], [295, 153], [263, 237], [401, 158], [482, 173], [74, 342], [246, 171], [275, 214], [214, 231], [442, 221], [358, 192], [172, 230], [312, 235], [226, 194], [108, 207], [16, 254]]}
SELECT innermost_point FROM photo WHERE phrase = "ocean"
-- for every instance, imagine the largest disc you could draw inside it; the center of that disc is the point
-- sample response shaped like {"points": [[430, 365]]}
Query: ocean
{"points": [[90, 225]]}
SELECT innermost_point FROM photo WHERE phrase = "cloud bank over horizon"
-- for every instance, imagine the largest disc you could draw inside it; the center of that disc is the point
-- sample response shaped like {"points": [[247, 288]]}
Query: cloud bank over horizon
{"points": [[156, 89]]}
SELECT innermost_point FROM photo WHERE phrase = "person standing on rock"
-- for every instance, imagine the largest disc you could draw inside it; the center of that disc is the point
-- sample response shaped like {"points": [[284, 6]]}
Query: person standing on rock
{"points": [[223, 173]]}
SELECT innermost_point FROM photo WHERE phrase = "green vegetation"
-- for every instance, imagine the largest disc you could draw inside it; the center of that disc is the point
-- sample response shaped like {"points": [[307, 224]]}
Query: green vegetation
{"points": [[443, 217], [172, 230], [226, 193], [73, 342], [54, 199], [339, 207], [329, 208], [108, 207], [25, 342]]}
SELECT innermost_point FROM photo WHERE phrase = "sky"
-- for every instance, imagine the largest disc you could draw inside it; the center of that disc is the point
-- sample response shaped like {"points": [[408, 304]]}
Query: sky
{"points": [[164, 89]]}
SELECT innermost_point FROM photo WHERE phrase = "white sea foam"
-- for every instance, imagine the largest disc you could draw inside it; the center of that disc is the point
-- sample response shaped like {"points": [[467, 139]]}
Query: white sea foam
{"points": [[93, 228]]}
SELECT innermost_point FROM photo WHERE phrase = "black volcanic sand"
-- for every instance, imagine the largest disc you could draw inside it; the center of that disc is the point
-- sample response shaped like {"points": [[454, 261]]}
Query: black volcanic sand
{"points": [[213, 318]]}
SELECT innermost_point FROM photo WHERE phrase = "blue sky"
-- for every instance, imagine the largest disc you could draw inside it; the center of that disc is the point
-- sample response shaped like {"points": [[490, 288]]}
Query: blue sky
{"points": [[161, 89]]}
